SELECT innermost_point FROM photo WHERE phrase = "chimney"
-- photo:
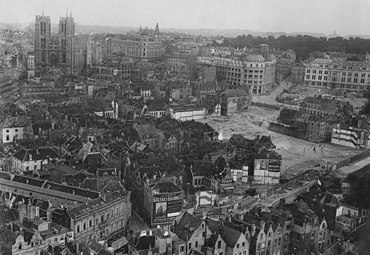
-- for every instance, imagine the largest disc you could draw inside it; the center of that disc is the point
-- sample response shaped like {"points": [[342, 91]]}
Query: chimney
{"points": [[149, 250], [29, 216], [262, 224], [187, 189], [253, 229], [49, 212], [22, 211], [37, 212]]}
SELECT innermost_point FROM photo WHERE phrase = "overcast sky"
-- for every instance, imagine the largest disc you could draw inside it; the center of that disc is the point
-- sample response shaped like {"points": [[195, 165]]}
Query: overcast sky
{"points": [[323, 16]]}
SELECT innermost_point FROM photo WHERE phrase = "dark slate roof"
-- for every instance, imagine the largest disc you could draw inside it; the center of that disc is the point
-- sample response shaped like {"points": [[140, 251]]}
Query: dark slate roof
{"points": [[57, 173], [166, 187], [202, 168], [103, 184], [93, 204], [213, 225], [4, 175], [187, 225], [144, 242], [28, 180], [230, 236], [36, 154]]}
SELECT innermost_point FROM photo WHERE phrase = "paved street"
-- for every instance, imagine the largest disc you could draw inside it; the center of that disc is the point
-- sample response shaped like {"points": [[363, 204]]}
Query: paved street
{"points": [[270, 99]]}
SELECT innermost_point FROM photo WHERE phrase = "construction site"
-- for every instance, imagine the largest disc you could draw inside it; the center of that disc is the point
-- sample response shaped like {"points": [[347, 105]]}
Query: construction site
{"points": [[298, 155]]}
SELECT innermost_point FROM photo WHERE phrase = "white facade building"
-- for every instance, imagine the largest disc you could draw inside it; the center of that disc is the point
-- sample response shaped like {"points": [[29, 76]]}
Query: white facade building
{"points": [[8, 134]]}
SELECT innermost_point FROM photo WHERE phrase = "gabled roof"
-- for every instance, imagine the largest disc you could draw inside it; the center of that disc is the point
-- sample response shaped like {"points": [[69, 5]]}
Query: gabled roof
{"points": [[202, 168], [145, 242], [230, 236], [35, 154], [186, 226]]}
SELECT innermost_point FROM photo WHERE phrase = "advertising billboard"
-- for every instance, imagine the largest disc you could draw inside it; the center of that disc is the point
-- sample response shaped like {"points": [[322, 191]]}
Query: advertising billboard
{"points": [[274, 165], [166, 207]]}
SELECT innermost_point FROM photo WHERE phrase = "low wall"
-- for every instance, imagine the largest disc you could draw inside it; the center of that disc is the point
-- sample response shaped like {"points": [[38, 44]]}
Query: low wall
{"points": [[268, 106]]}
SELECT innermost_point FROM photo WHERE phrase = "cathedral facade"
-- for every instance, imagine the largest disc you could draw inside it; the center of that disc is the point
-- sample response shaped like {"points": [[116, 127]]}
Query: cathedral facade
{"points": [[55, 51]]}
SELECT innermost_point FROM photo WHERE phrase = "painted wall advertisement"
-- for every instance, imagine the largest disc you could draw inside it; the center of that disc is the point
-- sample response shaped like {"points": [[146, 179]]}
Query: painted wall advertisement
{"points": [[274, 165], [166, 207]]}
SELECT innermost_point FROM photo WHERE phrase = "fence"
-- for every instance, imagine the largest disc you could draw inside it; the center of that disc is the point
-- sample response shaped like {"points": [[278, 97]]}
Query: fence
{"points": [[268, 106], [350, 160]]}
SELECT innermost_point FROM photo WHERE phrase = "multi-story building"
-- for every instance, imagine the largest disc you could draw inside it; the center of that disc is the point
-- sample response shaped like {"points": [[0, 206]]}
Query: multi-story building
{"points": [[284, 67], [324, 107], [186, 112], [163, 202], [8, 85], [98, 218], [115, 71], [146, 46], [154, 241], [338, 74], [32, 159], [298, 72], [94, 52], [310, 231], [350, 137], [318, 129], [30, 65], [36, 235], [11, 133], [256, 73], [193, 233], [267, 166], [234, 100], [177, 61]]}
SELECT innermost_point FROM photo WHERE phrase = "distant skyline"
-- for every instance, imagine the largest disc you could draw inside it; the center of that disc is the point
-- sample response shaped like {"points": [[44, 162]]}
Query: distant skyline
{"points": [[346, 17]]}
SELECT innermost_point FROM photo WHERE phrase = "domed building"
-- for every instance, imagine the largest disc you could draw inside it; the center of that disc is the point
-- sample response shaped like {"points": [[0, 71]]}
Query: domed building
{"points": [[254, 58]]}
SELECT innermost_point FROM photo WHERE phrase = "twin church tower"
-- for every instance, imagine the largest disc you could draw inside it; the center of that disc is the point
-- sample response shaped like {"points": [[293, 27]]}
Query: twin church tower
{"points": [[54, 50]]}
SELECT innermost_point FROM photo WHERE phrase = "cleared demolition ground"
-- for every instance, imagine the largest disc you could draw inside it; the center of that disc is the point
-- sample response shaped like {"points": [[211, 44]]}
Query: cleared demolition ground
{"points": [[298, 155]]}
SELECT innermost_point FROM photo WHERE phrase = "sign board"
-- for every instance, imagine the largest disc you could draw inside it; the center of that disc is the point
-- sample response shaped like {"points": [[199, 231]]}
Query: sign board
{"points": [[274, 165], [166, 207]]}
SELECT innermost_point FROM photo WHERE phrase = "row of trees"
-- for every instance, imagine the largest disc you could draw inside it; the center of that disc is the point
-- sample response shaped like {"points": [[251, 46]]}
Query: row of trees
{"points": [[303, 44]]}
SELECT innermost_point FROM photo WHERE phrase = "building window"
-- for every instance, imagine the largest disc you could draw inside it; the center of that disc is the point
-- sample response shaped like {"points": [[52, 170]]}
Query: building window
{"points": [[196, 244], [189, 246], [7, 138], [181, 248], [219, 244]]}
